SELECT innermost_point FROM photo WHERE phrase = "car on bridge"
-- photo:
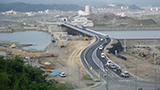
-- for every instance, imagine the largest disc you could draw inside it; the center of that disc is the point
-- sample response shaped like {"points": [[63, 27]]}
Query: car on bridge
{"points": [[107, 36], [101, 39], [103, 55], [100, 47]]}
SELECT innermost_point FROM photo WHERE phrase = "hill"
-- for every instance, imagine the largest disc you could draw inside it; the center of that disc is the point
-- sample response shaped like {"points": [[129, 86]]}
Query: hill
{"points": [[25, 7]]}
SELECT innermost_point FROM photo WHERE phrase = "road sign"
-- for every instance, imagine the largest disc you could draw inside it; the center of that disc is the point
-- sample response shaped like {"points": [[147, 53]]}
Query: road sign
{"points": [[98, 76], [91, 68]]}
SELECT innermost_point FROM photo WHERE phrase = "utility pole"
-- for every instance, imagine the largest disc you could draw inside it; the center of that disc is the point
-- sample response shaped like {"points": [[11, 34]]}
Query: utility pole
{"points": [[67, 75], [125, 43], [154, 52], [155, 79], [107, 81], [79, 75], [136, 75], [158, 69]]}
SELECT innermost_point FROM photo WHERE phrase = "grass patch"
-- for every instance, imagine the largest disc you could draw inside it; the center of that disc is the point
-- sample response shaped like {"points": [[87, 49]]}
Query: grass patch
{"points": [[86, 78], [8, 42], [90, 84], [128, 66]]}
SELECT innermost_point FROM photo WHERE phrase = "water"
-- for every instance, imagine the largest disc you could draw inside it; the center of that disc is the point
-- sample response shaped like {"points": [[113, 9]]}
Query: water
{"points": [[42, 39], [134, 34], [38, 38]]}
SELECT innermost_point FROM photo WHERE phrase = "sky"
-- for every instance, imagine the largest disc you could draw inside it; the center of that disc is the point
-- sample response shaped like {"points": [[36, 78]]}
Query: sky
{"points": [[87, 2]]}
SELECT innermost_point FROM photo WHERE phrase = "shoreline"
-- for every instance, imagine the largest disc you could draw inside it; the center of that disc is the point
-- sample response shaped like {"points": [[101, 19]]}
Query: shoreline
{"points": [[121, 28]]}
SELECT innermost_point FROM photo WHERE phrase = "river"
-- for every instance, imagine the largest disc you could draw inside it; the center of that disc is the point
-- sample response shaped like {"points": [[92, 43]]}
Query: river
{"points": [[134, 34], [42, 39], [38, 38]]}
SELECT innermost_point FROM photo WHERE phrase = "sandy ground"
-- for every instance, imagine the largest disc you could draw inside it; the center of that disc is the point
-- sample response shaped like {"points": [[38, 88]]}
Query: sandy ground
{"points": [[68, 61], [143, 66]]}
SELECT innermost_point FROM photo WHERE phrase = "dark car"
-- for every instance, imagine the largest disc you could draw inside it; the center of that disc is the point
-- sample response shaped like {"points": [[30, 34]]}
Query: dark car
{"points": [[105, 43], [118, 70], [122, 57]]}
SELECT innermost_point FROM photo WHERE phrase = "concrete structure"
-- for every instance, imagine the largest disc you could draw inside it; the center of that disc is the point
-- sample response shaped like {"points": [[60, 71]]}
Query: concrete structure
{"points": [[86, 12], [82, 21]]}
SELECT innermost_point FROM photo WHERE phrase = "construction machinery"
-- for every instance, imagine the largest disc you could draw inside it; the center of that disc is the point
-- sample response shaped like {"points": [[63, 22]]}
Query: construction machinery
{"points": [[85, 38], [62, 45]]}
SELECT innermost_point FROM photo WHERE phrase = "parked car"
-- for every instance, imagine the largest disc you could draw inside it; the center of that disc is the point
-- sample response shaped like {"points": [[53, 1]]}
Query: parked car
{"points": [[122, 57], [103, 55], [100, 47], [125, 74], [112, 66], [63, 74]]}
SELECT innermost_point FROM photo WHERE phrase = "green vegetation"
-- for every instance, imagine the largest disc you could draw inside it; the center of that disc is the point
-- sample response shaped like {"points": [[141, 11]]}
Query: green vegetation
{"points": [[8, 42], [90, 84], [100, 25], [157, 47], [157, 89], [86, 78], [17, 76], [122, 25], [128, 66]]}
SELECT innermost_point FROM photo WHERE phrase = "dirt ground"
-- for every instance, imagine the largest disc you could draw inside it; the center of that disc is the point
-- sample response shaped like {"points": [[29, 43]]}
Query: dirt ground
{"points": [[68, 61], [145, 69]]}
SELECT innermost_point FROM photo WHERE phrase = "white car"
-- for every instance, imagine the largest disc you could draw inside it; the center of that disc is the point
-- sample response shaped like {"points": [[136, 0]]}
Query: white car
{"points": [[63, 74], [108, 63], [103, 55], [101, 39], [125, 74], [100, 47]]}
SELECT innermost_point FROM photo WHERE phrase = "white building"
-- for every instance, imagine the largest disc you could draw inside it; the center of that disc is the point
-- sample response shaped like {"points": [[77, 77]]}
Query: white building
{"points": [[86, 12]]}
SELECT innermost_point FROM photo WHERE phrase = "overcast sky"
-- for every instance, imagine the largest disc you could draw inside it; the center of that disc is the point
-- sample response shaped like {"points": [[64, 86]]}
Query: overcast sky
{"points": [[86, 2]]}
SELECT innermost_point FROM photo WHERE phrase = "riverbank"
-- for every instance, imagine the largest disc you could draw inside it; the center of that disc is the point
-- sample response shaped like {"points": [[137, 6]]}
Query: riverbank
{"points": [[118, 28]]}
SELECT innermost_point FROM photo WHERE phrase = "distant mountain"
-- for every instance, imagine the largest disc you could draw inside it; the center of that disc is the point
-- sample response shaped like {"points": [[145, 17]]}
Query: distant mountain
{"points": [[25, 7], [89, 2], [135, 7]]}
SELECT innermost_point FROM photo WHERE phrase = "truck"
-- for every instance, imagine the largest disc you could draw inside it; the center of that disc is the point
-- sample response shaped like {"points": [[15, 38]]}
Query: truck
{"points": [[83, 27]]}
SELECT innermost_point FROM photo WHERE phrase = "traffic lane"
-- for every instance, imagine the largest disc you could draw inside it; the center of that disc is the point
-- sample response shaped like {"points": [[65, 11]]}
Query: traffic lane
{"points": [[89, 58]]}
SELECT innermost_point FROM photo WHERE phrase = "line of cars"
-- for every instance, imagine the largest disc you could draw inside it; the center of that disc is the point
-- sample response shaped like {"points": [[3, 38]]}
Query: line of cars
{"points": [[117, 70], [109, 64]]}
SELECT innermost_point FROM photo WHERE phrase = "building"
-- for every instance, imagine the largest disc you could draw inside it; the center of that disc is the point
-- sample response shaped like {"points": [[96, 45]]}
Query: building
{"points": [[82, 21], [86, 12]]}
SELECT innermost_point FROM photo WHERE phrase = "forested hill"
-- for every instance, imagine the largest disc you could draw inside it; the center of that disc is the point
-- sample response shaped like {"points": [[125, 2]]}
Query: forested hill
{"points": [[25, 7]]}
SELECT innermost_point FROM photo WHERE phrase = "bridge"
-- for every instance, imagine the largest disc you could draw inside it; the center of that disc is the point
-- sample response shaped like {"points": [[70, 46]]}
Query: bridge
{"points": [[91, 58]]}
